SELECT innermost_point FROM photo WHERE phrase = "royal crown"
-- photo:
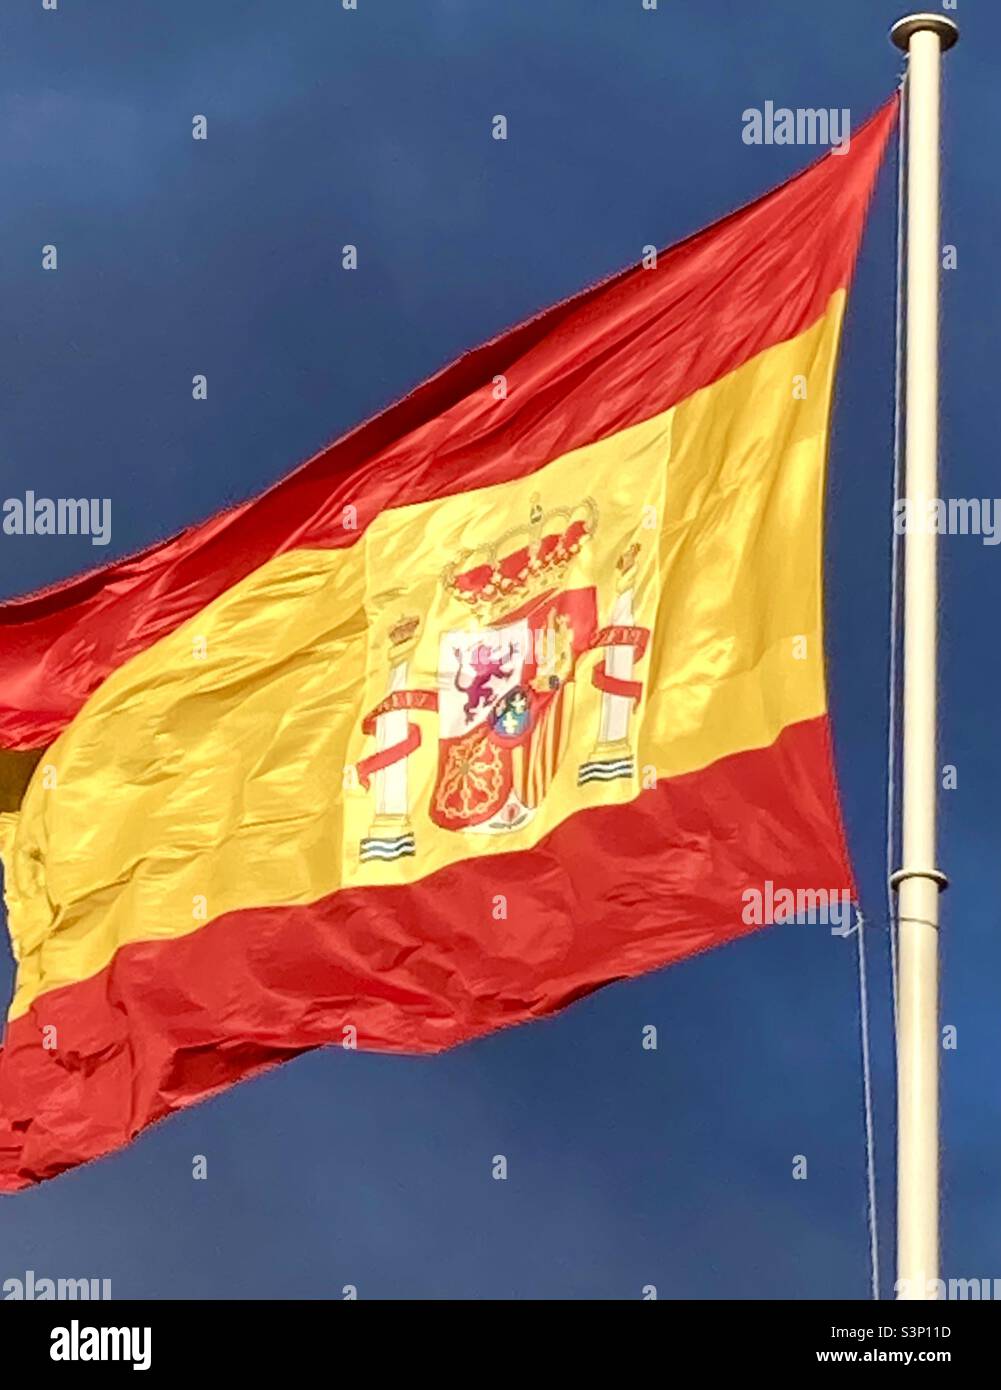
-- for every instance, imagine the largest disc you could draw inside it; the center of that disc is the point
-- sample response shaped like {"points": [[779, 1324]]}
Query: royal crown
{"points": [[526, 561], [403, 630]]}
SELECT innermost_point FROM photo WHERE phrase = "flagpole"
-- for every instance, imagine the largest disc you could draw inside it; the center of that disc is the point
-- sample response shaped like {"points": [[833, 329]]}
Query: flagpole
{"points": [[924, 37]]}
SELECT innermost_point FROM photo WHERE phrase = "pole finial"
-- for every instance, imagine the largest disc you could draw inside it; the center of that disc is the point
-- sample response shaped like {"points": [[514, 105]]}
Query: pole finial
{"points": [[946, 29]]}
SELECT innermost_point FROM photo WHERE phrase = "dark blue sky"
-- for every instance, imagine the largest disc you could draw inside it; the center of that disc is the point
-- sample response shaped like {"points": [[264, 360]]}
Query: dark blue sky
{"points": [[627, 1167]]}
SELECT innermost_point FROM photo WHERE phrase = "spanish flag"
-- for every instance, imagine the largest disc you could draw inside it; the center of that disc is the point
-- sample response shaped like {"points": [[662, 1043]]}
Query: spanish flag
{"points": [[515, 690]]}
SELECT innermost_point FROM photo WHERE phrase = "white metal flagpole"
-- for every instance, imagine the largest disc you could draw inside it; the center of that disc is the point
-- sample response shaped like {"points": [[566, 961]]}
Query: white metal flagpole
{"points": [[924, 37]]}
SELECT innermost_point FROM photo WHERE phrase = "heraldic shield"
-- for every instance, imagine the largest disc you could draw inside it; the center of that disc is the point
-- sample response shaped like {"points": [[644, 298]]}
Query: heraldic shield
{"points": [[505, 703], [504, 690]]}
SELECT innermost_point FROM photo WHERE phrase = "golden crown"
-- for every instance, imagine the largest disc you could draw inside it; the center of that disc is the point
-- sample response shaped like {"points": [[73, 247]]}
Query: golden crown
{"points": [[525, 561], [403, 630]]}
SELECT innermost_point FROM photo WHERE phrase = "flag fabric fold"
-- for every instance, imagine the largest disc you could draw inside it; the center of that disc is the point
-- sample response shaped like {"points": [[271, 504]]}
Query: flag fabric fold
{"points": [[515, 690]]}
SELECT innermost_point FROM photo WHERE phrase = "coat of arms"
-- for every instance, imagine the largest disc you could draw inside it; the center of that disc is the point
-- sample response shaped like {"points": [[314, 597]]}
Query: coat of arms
{"points": [[504, 695]]}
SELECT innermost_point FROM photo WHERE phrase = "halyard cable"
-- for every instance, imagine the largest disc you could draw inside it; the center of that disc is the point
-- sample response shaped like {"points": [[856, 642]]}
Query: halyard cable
{"points": [[870, 1137], [892, 720]]}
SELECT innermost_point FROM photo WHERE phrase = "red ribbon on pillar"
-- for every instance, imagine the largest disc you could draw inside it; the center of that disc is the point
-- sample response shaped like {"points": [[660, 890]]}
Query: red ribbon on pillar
{"points": [[386, 757], [619, 635]]}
